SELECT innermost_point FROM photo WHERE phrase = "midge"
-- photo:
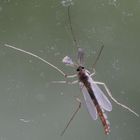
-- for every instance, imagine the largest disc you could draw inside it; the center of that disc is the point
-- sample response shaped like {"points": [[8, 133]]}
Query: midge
{"points": [[97, 103]]}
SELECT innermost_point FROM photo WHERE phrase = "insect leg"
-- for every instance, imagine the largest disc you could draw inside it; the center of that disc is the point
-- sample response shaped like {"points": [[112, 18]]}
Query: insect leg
{"points": [[94, 72], [72, 117], [110, 95], [36, 56], [71, 76], [65, 82], [98, 56]]}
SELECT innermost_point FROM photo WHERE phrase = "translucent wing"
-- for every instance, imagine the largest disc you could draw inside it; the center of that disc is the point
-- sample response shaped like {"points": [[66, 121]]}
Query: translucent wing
{"points": [[80, 56], [101, 98], [90, 105]]}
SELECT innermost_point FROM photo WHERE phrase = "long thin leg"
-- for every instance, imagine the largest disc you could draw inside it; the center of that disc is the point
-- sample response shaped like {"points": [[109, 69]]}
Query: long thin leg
{"points": [[71, 28], [94, 72], [98, 56], [65, 82], [36, 56], [71, 76], [43, 60], [72, 117], [110, 95]]}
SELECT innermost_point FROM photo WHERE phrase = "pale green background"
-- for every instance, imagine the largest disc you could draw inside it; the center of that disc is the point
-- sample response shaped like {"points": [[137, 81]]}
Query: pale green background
{"points": [[31, 108]]}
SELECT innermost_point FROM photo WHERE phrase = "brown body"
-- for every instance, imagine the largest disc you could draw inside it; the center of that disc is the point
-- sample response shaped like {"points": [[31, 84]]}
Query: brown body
{"points": [[84, 79]]}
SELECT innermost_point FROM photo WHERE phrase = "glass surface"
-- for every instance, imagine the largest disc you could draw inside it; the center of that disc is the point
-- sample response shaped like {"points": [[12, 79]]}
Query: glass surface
{"points": [[31, 107]]}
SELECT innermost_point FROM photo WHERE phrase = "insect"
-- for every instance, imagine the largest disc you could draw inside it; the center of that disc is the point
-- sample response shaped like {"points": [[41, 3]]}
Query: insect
{"points": [[96, 101]]}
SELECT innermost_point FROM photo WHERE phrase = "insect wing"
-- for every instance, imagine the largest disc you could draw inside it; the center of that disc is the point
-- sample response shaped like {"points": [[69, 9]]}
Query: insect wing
{"points": [[80, 56], [89, 103], [101, 98]]}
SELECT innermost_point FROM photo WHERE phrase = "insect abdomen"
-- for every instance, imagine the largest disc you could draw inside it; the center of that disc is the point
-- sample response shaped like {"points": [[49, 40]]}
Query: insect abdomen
{"points": [[104, 120]]}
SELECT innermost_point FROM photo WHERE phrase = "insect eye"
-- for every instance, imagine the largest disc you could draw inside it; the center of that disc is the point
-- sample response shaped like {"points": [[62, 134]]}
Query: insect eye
{"points": [[78, 69], [82, 67]]}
